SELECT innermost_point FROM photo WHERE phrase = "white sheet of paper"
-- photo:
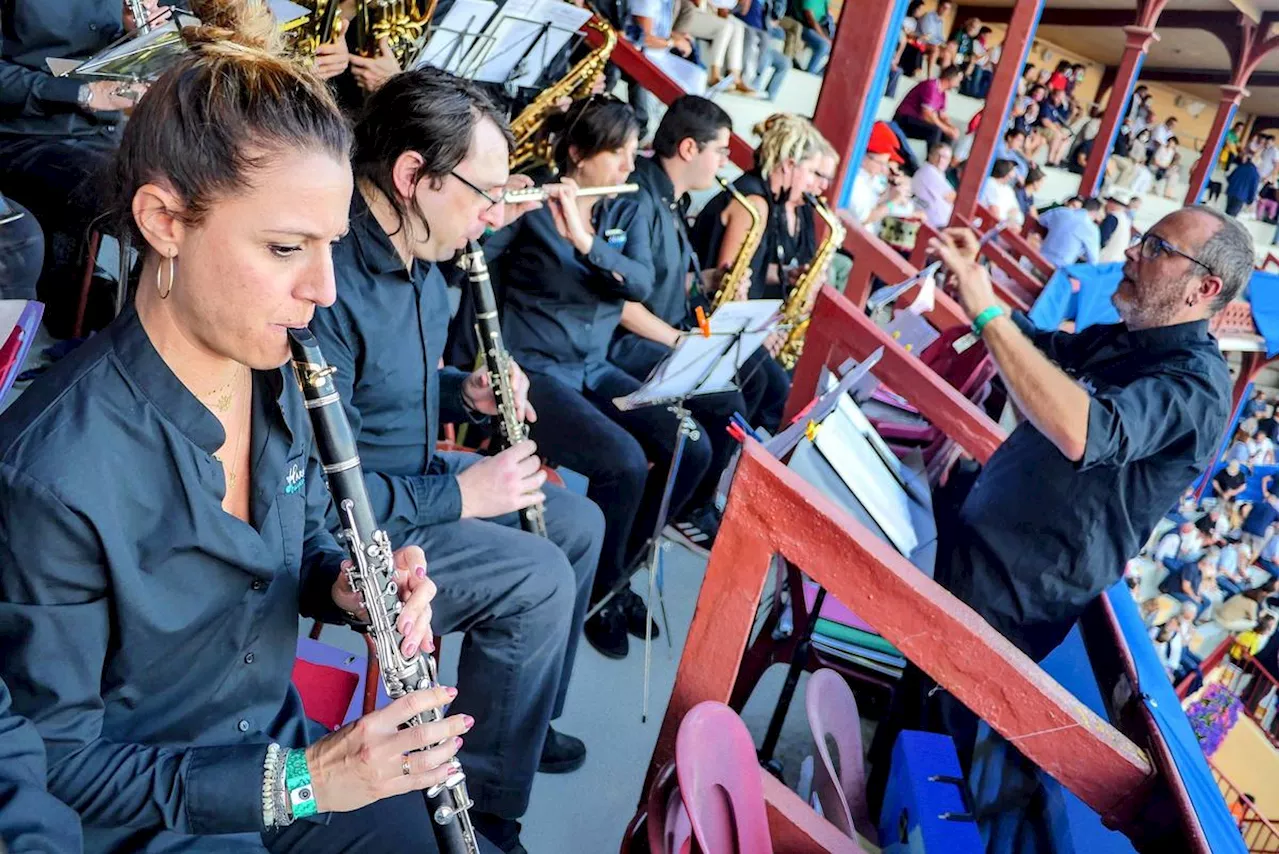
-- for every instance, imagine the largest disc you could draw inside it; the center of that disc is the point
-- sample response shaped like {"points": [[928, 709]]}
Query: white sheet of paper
{"points": [[863, 470], [461, 27], [923, 303], [692, 78], [516, 31], [566, 19], [858, 418]]}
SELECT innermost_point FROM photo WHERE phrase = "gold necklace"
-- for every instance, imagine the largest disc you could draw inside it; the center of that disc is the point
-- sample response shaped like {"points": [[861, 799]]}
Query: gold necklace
{"points": [[235, 466], [224, 395]]}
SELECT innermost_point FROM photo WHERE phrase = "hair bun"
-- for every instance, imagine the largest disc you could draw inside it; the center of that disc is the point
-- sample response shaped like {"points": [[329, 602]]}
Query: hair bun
{"points": [[242, 23]]}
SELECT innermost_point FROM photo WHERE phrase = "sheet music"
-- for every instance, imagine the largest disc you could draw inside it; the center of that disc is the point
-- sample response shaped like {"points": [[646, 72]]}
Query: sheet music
{"points": [[853, 456], [692, 78], [457, 35], [514, 34], [714, 360]]}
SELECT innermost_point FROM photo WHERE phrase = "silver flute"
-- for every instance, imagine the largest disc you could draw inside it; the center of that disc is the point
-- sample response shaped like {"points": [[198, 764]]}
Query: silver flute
{"points": [[538, 194], [372, 575]]}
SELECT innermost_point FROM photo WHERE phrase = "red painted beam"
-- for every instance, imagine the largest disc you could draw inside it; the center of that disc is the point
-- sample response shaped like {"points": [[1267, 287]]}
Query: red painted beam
{"points": [[999, 100], [975, 663], [643, 71], [839, 330], [873, 257], [794, 826], [1231, 96], [1014, 298], [1137, 41]]}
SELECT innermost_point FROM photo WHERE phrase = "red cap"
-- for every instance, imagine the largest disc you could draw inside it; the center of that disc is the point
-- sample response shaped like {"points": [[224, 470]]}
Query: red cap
{"points": [[884, 141]]}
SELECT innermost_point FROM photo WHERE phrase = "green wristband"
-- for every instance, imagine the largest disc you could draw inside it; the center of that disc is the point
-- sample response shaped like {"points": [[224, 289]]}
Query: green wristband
{"points": [[297, 779], [986, 316]]}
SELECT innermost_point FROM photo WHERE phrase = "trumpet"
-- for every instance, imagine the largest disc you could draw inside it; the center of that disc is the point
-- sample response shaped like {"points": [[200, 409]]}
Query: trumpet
{"points": [[538, 194]]}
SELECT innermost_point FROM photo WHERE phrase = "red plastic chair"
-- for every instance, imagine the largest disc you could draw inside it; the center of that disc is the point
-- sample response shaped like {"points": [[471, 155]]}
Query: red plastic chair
{"points": [[840, 781], [667, 821], [719, 780]]}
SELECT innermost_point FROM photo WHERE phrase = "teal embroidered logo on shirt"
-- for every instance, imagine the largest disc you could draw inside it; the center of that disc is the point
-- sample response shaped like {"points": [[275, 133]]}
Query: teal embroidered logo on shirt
{"points": [[615, 237], [295, 481]]}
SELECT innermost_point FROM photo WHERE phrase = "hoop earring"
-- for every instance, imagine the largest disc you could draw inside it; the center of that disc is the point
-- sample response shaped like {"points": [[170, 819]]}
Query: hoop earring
{"points": [[164, 292]]}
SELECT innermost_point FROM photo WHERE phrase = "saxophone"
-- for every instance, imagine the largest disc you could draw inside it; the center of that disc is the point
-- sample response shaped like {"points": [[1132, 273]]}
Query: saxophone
{"points": [[742, 261], [324, 26], [531, 148], [372, 575], [498, 364], [795, 311]]}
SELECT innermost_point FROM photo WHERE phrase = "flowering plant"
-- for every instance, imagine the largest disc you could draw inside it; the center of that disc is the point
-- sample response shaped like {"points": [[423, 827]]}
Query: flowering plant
{"points": [[1212, 716]]}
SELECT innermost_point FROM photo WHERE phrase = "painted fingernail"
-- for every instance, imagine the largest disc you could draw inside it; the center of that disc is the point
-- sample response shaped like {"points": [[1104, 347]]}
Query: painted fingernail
{"points": [[410, 648], [452, 692], [407, 627], [421, 571], [430, 645], [468, 721], [457, 743]]}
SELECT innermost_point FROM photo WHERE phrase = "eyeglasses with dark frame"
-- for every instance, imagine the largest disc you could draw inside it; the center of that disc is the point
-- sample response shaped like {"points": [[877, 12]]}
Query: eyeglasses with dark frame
{"points": [[1152, 246], [493, 203]]}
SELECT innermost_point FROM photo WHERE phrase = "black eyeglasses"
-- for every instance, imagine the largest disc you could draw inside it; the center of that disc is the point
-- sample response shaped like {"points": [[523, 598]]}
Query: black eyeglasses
{"points": [[1154, 246], [493, 203]]}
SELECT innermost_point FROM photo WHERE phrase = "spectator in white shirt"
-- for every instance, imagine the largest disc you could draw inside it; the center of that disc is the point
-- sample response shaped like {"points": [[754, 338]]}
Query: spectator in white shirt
{"points": [[1268, 159], [1168, 642], [1179, 545], [872, 187], [1262, 451], [931, 187], [998, 195]]}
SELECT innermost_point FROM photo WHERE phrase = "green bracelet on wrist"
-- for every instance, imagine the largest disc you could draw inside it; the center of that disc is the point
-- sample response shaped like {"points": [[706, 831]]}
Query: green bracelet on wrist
{"points": [[297, 780], [986, 316]]}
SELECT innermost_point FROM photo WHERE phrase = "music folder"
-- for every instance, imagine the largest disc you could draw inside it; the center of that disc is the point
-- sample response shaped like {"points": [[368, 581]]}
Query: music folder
{"points": [[521, 39]]}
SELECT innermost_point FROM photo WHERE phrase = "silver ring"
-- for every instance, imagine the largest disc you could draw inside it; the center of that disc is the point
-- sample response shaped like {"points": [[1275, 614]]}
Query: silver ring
{"points": [[405, 769]]}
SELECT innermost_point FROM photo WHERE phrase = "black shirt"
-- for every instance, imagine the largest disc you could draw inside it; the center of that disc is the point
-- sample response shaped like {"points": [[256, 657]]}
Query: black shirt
{"points": [[1188, 571], [1227, 481], [32, 101], [708, 230], [385, 335], [30, 818], [1040, 535], [148, 634], [562, 307]]}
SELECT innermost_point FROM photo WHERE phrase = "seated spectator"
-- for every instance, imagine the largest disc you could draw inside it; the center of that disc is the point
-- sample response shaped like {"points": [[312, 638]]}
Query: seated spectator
{"points": [[1072, 234], [1168, 642], [673, 25], [932, 189], [960, 45], [1213, 526], [1261, 516], [1229, 482], [1074, 79], [982, 68], [760, 56], [1010, 147], [1192, 581], [1060, 79], [1268, 554], [818, 30], [21, 251], [998, 195], [933, 34], [1242, 185], [1262, 451], [923, 112], [1241, 612], [1179, 545], [1162, 133], [1028, 79], [1116, 231], [1251, 640], [1054, 125], [872, 186], [912, 50], [1026, 192], [1234, 560]]}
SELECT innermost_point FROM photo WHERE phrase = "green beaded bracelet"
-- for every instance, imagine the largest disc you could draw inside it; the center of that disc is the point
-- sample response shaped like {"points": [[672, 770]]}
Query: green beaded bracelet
{"points": [[297, 779], [986, 316]]}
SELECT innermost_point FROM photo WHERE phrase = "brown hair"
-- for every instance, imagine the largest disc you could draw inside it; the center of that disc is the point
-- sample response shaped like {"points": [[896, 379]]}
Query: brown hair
{"points": [[234, 104]]}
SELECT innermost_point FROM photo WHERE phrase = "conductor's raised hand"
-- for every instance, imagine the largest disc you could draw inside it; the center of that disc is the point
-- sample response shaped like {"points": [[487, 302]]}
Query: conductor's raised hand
{"points": [[957, 249], [509, 481], [371, 759]]}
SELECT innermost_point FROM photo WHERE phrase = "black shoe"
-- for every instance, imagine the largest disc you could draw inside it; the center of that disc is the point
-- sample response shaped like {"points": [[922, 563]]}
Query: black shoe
{"points": [[698, 529], [561, 753], [504, 833], [607, 632], [633, 609]]}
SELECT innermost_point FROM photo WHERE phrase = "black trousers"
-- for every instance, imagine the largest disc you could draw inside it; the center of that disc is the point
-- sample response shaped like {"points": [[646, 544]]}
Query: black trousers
{"points": [[59, 180], [584, 430], [21, 254], [1234, 205], [638, 357], [919, 129], [399, 824]]}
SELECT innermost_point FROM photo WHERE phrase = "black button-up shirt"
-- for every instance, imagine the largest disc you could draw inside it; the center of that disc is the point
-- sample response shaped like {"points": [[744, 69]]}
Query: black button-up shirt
{"points": [[32, 101], [1040, 535], [30, 818], [129, 598], [562, 306], [385, 335], [672, 254]]}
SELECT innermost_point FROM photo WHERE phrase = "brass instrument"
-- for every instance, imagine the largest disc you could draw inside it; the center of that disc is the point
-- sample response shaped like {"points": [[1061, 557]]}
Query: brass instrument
{"points": [[403, 23], [742, 261], [795, 311], [324, 26], [537, 194], [532, 148]]}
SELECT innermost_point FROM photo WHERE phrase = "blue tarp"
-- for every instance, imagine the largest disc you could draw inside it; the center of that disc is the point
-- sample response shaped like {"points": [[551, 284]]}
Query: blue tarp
{"points": [[1157, 693], [1264, 294], [1092, 305]]}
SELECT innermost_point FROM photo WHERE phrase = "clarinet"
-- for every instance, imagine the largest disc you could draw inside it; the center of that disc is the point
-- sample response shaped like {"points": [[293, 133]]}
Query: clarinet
{"points": [[498, 363], [372, 575]]}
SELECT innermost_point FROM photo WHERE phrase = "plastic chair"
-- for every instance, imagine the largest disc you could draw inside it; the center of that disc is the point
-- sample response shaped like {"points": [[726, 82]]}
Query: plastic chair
{"points": [[719, 780], [833, 713], [668, 825]]}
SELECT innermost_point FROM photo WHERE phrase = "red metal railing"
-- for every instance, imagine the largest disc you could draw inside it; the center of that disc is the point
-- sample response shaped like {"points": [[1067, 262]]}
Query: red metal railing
{"points": [[1246, 678], [1260, 834]]}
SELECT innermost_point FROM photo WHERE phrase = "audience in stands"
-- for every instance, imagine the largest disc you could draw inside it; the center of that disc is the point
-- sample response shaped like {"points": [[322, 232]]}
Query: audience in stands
{"points": [[923, 112], [1072, 234], [997, 193], [1242, 185], [930, 185], [1116, 230]]}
